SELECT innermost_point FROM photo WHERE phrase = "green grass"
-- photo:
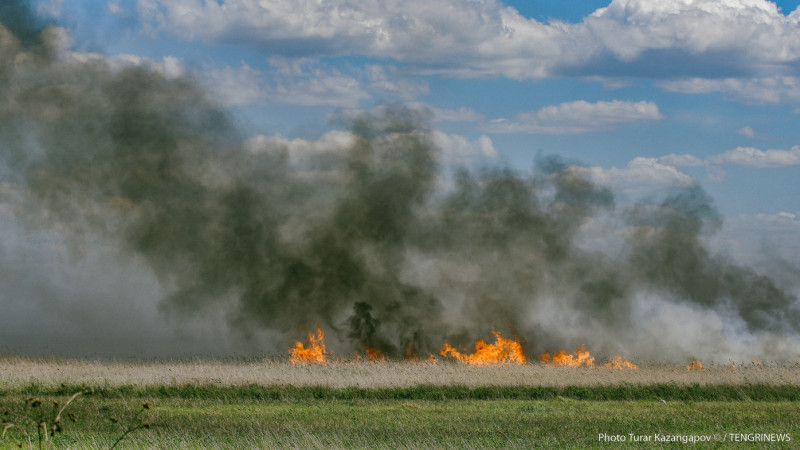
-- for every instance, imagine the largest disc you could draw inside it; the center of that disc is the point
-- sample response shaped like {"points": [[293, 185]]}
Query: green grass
{"points": [[371, 423], [420, 417], [669, 391]]}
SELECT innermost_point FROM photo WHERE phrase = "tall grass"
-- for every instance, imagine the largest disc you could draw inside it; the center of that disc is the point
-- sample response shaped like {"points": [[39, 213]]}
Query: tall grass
{"points": [[17, 372]]}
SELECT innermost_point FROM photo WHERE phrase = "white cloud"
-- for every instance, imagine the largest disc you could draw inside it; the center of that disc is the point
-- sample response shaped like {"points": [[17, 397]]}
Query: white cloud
{"points": [[758, 90], [60, 40], [457, 149], [747, 131], [714, 174], [577, 117], [640, 173], [481, 38], [781, 218], [298, 149], [169, 66], [751, 28], [753, 157]]}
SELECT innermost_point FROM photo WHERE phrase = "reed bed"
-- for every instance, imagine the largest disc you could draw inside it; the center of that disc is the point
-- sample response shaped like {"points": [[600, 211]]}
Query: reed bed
{"points": [[17, 372]]}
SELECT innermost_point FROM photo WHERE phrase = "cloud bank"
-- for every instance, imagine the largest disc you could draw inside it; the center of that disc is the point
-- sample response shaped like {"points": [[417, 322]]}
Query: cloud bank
{"points": [[638, 37]]}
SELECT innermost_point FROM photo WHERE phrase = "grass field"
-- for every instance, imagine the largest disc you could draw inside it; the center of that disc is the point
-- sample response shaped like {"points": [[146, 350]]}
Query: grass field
{"points": [[395, 405]]}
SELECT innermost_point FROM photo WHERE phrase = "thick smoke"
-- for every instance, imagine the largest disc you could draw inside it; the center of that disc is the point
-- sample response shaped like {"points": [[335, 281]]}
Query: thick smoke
{"points": [[373, 241]]}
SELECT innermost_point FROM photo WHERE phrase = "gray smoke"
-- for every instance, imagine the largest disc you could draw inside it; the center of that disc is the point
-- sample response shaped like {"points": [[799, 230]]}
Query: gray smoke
{"points": [[376, 242]]}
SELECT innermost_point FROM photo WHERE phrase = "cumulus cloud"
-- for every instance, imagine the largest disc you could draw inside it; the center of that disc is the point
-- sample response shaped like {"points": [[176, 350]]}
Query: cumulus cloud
{"points": [[755, 29], [60, 42], [758, 90], [457, 149], [643, 173], [454, 148], [577, 117], [668, 38], [753, 157], [299, 149], [640, 173], [781, 218]]}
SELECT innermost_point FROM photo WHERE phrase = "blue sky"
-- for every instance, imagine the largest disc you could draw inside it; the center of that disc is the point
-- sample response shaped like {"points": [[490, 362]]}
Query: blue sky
{"points": [[646, 95]]}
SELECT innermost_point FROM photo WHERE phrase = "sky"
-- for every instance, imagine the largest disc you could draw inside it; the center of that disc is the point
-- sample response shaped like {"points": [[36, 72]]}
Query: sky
{"points": [[640, 96], [643, 94]]}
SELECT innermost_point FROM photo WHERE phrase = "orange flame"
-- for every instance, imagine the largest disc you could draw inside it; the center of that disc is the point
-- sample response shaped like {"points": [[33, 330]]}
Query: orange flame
{"points": [[315, 353], [410, 356], [618, 362], [562, 358], [375, 355], [694, 364], [502, 352]]}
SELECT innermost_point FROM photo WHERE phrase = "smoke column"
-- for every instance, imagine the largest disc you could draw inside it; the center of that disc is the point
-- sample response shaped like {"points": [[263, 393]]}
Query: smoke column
{"points": [[161, 205]]}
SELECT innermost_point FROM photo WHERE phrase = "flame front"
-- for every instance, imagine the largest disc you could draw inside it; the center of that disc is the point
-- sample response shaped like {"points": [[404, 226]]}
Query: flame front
{"points": [[579, 358], [694, 364], [503, 352], [315, 353], [410, 353], [618, 362], [375, 355]]}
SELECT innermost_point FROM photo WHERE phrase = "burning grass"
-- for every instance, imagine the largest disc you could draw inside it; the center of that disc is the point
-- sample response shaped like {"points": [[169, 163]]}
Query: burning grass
{"points": [[694, 364], [581, 357], [315, 352], [618, 362], [503, 351]]}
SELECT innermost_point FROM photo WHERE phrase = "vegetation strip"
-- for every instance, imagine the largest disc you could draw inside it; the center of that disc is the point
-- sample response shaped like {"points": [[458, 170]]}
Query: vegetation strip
{"points": [[672, 391]]}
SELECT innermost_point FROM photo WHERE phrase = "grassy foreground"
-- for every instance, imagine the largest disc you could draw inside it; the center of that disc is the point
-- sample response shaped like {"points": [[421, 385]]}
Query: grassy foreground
{"points": [[544, 408], [302, 421], [193, 416]]}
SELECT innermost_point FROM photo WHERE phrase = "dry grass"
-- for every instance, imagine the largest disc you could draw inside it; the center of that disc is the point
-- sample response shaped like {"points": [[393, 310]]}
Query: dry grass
{"points": [[17, 372]]}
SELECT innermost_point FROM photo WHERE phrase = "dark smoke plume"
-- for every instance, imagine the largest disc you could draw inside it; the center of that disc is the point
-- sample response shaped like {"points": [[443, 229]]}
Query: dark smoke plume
{"points": [[374, 242]]}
